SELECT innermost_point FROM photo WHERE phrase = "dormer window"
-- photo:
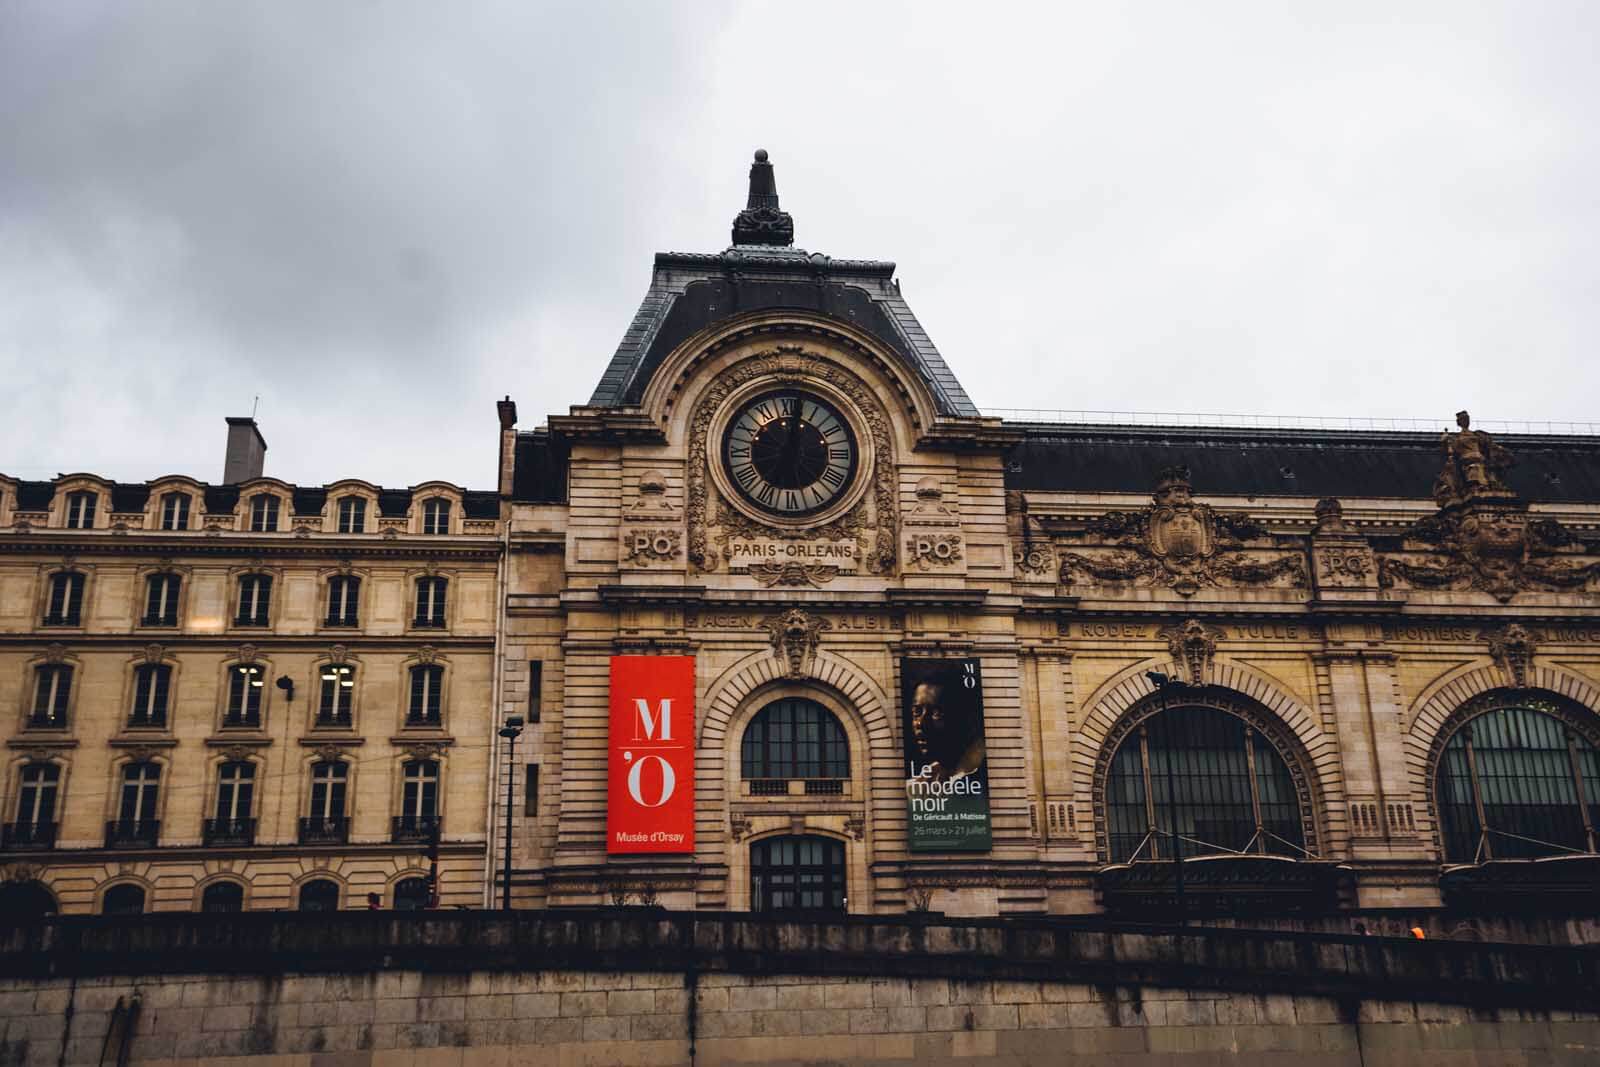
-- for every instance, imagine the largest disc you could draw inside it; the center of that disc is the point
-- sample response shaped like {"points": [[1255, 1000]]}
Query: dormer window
{"points": [[353, 515], [263, 513], [80, 510], [436, 516], [175, 511]]}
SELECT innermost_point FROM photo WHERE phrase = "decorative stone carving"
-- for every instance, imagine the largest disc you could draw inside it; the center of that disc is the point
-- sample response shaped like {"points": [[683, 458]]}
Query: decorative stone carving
{"points": [[1473, 465], [302, 530], [1341, 566], [338, 655], [1182, 544], [329, 753], [792, 573], [1489, 544], [928, 552], [795, 635], [1512, 647], [390, 533], [154, 653], [55, 652], [247, 653], [424, 751], [856, 826], [652, 503], [738, 827], [930, 508], [1330, 517], [646, 546], [1193, 645], [427, 654], [872, 522], [236, 753], [141, 753], [1036, 559]]}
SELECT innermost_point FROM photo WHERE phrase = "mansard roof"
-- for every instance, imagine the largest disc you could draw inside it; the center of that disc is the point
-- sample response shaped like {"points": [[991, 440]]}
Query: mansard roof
{"points": [[219, 499], [689, 292], [1285, 462]]}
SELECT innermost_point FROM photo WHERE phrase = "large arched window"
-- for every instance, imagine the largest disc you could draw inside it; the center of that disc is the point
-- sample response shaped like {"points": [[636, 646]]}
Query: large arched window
{"points": [[411, 894], [26, 900], [797, 872], [319, 894], [794, 739], [222, 898], [1516, 782], [124, 899], [1209, 776]]}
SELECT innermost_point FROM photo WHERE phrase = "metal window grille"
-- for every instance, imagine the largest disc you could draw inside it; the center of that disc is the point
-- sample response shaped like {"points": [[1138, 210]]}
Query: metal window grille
{"points": [[1230, 790]]}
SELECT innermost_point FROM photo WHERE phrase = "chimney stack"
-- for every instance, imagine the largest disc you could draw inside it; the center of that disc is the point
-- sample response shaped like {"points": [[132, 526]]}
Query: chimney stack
{"points": [[247, 452]]}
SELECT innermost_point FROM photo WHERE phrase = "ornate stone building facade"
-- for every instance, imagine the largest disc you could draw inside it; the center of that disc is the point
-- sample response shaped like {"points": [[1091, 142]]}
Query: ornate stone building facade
{"points": [[244, 695], [1330, 669], [940, 660]]}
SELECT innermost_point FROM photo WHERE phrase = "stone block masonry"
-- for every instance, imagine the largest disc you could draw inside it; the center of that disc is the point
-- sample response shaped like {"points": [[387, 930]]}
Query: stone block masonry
{"points": [[643, 987]]}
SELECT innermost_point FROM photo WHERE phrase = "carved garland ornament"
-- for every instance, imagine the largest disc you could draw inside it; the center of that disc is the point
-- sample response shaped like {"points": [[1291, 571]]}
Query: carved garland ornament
{"points": [[1179, 543], [871, 523]]}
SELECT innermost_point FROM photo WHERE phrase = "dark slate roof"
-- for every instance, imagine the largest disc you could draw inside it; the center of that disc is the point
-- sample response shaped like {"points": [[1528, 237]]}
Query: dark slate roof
{"points": [[309, 501], [35, 496], [394, 503], [129, 497], [540, 474], [221, 498], [480, 504], [690, 292], [1314, 463]]}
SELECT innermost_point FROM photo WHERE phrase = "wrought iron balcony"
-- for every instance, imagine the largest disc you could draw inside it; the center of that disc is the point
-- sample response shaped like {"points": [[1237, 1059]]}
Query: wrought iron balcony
{"points": [[769, 787], [824, 787], [230, 831], [157, 720], [330, 830], [46, 720], [28, 835], [133, 833], [413, 828], [330, 719], [242, 719]]}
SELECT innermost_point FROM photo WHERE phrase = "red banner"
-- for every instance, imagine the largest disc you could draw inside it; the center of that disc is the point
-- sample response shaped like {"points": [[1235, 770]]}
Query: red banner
{"points": [[650, 798]]}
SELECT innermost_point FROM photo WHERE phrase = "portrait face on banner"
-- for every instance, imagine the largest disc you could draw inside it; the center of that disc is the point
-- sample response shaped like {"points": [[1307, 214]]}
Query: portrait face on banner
{"points": [[650, 793], [946, 760]]}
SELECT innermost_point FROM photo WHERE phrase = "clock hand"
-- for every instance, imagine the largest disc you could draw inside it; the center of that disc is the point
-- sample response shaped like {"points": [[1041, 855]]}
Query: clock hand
{"points": [[790, 460]]}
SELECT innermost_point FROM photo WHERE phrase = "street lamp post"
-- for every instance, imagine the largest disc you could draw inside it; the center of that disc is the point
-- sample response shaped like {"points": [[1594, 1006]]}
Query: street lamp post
{"points": [[510, 731]]}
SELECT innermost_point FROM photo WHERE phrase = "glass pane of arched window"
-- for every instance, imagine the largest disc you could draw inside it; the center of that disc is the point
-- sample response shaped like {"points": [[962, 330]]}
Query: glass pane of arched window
{"points": [[319, 894], [411, 894], [1523, 769], [797, 872], [125, 899], [221, 897], [794, 739], [1203, 774], [26, 900]]}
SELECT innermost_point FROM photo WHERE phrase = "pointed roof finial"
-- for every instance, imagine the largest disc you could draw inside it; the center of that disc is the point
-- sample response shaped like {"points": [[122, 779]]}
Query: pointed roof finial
{"points": [[762, 222]]}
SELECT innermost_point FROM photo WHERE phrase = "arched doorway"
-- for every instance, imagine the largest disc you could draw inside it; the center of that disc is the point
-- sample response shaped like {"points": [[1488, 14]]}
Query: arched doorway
{"points": [[804, 872]]}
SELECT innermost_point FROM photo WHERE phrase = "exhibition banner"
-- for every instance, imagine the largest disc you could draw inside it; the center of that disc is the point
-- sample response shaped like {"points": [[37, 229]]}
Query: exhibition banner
{"points": [[650, 792], [947, 768]]}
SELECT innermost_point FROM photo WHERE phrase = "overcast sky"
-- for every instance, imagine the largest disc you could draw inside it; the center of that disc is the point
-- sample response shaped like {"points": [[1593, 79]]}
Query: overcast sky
{"points": [[381, 217]]}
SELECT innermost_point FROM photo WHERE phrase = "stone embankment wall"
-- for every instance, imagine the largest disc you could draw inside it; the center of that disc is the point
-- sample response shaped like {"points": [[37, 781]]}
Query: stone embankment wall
{"points": [[606, 988]]}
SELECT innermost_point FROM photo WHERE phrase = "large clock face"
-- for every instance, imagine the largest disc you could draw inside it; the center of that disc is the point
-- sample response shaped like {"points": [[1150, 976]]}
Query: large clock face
{"points": [[789, 452]]}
